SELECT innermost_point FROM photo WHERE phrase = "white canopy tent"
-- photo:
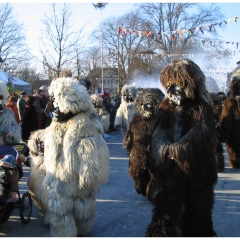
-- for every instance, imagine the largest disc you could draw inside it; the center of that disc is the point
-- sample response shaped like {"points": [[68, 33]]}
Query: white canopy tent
{"points": [[18, 84], [3, 76]]}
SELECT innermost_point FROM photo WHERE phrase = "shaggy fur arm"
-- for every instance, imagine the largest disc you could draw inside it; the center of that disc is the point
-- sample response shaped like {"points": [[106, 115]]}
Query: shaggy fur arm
{"points": [[226, 118], [86, 155], [105, 120], [187, 151], [221, 134], [95, 163], [34, 142], [128, 139], [119, 117], [12, 128], [36, 148], [97, 123], [89, 162], [160, 144], [132, 111]]}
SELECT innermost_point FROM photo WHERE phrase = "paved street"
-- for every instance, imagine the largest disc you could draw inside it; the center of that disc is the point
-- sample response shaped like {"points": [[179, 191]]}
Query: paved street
{"points": [[121, 212]]}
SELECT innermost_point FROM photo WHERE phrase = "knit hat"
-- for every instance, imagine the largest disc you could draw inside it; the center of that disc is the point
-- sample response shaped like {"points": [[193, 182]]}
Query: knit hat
{"points": [[10, 160], [23, 93], [105, 94]]}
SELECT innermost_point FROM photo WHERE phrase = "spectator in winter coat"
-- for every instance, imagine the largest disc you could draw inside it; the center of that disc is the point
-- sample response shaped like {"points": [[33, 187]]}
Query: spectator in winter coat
{"points": [[46, 121], [110, 109], [31, 118], [44, 100], [39, 95], [12, 104], [21, 105]]}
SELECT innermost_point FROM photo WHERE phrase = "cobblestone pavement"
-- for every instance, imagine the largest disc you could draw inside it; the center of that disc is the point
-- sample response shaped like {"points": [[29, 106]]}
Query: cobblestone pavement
{"points": [[121, 212]]}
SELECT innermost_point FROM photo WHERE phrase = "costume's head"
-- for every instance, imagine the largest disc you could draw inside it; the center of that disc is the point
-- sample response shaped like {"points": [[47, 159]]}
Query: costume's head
{"points": [[69, 98], [97, 101], [128, 93], [183, 80], [147, 101], [222, 97], [235, 86], [3, 94]]}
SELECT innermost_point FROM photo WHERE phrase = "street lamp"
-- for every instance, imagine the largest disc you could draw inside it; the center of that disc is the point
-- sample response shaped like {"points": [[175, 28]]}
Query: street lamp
{"points": [[101, 6]]}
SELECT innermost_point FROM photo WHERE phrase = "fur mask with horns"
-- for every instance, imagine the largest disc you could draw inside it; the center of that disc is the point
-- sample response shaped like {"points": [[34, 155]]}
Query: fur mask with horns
{"points": [[184, 80], [147, 101]]}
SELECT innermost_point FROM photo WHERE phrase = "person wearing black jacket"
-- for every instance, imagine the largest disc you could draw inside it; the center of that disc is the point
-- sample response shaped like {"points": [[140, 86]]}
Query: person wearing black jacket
{"points": [[30, 122], [111, 109]]}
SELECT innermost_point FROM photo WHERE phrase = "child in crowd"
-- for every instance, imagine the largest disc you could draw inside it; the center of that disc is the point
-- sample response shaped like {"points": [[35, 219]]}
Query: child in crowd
{"points": [[8, 165]]}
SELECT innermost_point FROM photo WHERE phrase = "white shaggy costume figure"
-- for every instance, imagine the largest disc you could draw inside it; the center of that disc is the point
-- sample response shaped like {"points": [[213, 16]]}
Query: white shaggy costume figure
{"points": [[70, 160], [10, 131], [103, 115], [127, 109]]}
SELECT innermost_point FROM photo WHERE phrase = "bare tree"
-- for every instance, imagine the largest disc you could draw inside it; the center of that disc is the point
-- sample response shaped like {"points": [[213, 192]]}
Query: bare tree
{"points": [[118, 49], [92, 65], [78, 62], [13, 49], [155, 33], [178, 28], [28, 74], [58, 41]]}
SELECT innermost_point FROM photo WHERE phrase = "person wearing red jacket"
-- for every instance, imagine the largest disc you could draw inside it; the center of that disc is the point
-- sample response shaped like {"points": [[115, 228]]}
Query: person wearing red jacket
{"points": [[12, 104]]}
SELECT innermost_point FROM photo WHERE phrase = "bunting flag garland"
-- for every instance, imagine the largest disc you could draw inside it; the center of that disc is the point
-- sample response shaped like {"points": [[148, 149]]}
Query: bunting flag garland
{"points": [[147, 56], [178, 36], [174, 34], [154, 36]]}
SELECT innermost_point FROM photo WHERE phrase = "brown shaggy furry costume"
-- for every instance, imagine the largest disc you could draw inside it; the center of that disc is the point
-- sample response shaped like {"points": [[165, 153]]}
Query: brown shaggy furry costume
{"points": [[230, 124], [183, 161], [218, 103], [137, 139]]}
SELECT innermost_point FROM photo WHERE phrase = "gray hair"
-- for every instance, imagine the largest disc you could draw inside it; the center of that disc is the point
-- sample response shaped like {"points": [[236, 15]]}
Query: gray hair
{"points": [[44, 87]]}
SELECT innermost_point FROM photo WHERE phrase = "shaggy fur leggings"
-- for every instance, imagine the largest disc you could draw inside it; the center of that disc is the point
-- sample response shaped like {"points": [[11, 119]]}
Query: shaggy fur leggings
{"points": [[181, 212], [70, 217]]}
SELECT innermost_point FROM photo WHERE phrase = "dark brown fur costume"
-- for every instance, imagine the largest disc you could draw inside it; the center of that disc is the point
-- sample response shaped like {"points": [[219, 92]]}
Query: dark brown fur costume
{"points": [[137, 139], [183, 187], [230, 124], [217, 103]]}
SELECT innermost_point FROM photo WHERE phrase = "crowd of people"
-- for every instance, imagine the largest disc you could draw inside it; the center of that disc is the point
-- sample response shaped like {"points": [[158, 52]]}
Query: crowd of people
{"points": [[110, 105], [20, 116], [24, 114], [174, 143], [29, 110]]}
